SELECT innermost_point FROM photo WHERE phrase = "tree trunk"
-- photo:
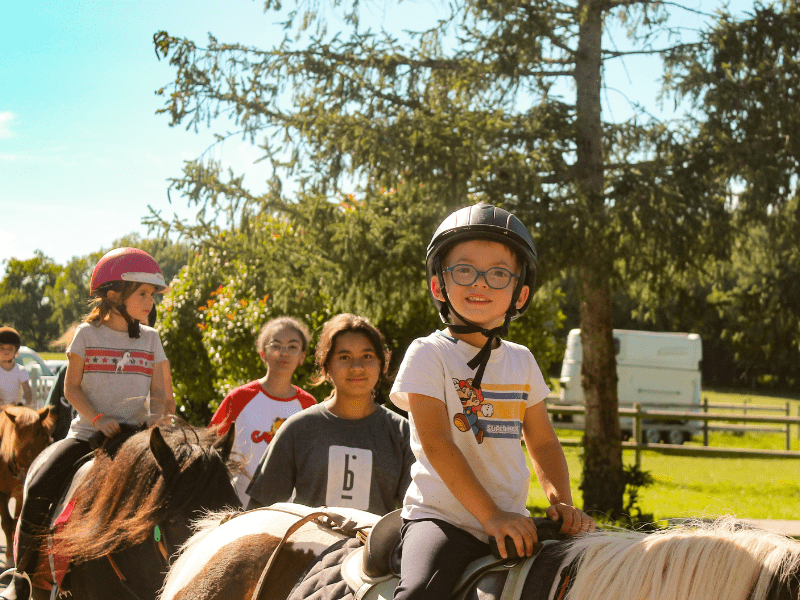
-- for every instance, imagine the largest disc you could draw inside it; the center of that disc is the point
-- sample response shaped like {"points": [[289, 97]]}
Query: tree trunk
{"points": [[603, 483]]}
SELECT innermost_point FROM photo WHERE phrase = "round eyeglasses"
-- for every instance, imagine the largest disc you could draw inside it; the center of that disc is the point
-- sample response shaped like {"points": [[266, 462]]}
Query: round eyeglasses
{"points": [[290, 349], [496, 278]]}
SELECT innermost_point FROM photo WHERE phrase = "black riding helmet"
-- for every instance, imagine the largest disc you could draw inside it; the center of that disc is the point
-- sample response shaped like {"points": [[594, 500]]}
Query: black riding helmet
{"points": [[482, 222], [9, 335]]}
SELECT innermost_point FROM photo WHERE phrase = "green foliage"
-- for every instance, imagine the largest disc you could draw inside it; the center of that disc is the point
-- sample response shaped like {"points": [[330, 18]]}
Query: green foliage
{"points": [[26, 293], [311, 260], [761, 305]]}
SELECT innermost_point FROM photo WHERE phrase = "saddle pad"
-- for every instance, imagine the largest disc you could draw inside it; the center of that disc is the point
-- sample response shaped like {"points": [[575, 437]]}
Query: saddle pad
{"points": [[323, 579]]}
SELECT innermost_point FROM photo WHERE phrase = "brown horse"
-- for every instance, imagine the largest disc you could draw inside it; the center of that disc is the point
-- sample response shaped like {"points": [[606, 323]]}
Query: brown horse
{"points": [[726, 560], [132, 512], [24, 433]]}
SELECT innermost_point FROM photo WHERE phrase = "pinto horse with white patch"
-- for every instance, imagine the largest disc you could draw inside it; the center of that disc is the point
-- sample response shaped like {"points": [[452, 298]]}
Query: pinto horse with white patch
{"points": [[258, 556]]}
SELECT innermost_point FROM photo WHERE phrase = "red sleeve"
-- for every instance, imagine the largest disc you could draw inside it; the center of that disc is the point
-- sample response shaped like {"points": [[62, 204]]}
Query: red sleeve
{"points": [[306, 400], [222, 415], [233, 404]]}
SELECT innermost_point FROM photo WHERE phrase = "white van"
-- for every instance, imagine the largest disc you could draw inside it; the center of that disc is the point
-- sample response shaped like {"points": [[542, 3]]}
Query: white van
{"points": [[658, 370]]}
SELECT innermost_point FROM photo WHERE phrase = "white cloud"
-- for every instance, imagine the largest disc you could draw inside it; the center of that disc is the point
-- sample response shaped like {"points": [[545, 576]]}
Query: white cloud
{"points": [[5, 120]]}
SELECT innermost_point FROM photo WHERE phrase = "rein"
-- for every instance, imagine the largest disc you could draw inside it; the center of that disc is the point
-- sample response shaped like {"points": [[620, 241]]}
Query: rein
{"points": [[162, 549], [324, 518]]}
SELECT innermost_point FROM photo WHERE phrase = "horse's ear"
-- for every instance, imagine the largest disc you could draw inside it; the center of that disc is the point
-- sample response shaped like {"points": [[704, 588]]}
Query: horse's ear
{"points": [[161, 450], [11, 416], [224, 443], [48, 419]]}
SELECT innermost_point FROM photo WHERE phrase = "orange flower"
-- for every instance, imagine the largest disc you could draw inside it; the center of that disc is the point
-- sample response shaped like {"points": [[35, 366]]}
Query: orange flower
{"points": [[201, 326]]}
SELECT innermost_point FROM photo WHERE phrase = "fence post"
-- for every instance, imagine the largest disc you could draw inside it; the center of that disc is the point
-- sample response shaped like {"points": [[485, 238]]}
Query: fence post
{"points": [[705, 422], [788, 428], [637, 432]]}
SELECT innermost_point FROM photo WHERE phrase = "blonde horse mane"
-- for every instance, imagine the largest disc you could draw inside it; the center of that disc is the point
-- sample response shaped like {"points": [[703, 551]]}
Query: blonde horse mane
{"points": [[723, 560], [24, 417]]}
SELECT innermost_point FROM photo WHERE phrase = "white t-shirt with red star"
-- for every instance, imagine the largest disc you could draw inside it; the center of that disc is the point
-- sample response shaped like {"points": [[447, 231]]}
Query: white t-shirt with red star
{"points": [[257, 416], [117, 371]]}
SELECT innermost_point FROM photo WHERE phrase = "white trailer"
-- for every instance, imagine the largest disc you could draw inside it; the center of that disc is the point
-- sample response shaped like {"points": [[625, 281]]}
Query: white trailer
{"points": [[657, 370]]}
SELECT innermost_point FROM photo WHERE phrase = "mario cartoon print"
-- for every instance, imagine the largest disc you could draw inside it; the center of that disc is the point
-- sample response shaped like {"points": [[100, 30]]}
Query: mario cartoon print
{"points": [[473, 403]]}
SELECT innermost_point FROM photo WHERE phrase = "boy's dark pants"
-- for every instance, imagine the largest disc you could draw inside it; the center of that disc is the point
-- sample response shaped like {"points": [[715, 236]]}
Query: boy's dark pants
{"points": [[434, 556]]}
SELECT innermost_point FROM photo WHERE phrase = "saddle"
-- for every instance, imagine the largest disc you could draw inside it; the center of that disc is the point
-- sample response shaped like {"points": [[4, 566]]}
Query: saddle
{"points": [[372, 571]]}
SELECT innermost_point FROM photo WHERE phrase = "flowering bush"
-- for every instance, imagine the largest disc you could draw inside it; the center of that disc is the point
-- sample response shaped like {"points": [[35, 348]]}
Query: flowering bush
{"points": [[356, 256]]}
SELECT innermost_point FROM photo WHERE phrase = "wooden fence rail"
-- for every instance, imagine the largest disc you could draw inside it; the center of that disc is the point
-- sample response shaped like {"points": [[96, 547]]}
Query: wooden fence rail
{"points": [[638, 414]]}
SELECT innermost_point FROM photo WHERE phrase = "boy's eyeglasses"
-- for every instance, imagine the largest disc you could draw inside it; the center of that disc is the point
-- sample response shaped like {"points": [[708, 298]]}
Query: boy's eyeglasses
{"points": [[291, 349], [496, 278]]}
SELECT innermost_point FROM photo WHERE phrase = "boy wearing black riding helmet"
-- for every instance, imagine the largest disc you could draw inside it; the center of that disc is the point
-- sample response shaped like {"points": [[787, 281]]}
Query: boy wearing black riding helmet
{"points": [[469, 410], [14, 381]]}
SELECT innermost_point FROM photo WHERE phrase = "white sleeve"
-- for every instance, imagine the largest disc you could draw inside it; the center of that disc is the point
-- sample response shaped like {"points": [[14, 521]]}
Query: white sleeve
{"points": [[539, 389], [78, 344], [421, 372]]}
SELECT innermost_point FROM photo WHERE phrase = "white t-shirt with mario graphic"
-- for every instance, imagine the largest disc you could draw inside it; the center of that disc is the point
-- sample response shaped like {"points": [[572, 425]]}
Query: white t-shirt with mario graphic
{"points": [[486, 424], [257, 416]]}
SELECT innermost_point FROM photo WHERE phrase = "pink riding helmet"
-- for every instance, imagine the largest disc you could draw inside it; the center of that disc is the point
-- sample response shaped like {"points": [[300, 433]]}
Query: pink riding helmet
{"points": [[127, 264]]}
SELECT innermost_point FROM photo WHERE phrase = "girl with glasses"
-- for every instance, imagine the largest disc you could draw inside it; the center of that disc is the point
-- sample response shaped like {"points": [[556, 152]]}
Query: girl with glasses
{"points": [[260, 407], [348, 450]]}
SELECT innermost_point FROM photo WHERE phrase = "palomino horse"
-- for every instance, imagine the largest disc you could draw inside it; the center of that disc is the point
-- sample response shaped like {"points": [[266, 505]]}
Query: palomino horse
{"points": [[130, 513], [24, 433], [226, 559]]}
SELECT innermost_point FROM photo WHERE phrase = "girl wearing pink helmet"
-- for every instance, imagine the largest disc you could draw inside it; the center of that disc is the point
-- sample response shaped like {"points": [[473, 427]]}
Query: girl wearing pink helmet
{"points": [[117, 374]]}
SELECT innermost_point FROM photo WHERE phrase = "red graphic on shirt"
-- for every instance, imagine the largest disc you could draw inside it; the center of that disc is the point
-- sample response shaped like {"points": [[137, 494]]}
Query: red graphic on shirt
{"points": [[266, 436], [106, 360]]}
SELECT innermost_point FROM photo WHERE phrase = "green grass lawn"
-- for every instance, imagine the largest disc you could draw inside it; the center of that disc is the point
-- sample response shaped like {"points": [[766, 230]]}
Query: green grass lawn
{"points": [[753, 488]]}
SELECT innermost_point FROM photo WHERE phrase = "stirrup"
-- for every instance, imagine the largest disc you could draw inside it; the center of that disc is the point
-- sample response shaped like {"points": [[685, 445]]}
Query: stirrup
{"points": [[13, 571]]}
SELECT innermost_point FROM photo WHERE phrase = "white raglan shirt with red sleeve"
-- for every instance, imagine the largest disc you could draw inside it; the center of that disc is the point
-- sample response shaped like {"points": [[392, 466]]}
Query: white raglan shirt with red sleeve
{"points": [[257, 416]]}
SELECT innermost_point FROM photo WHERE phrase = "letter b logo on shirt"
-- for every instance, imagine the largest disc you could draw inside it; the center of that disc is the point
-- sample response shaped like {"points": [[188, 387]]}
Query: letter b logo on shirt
{"points": [[349, 477]]}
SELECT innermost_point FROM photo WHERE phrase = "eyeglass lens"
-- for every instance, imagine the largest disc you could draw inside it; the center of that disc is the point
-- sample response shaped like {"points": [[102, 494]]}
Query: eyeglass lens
{"points": [[497, 278]]}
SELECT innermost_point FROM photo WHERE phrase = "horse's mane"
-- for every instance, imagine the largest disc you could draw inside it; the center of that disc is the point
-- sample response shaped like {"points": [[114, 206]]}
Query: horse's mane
{"points": [[25, 417], [120, 501], [723, 560], [203, 527]]}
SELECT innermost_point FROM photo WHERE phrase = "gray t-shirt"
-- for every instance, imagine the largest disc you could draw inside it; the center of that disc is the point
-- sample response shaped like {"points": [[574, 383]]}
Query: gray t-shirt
{"points": [[330, 461], [117, 371]]}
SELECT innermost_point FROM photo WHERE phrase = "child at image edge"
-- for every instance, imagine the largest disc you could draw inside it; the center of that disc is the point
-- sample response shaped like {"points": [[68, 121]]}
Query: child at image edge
{"points": [[15, 384], [260, 407], [469, 410], [115, 366]]}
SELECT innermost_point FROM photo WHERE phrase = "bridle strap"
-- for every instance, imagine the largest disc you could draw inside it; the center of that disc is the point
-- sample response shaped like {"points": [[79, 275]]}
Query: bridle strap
{"points": [[162, 549], [13, 466]]}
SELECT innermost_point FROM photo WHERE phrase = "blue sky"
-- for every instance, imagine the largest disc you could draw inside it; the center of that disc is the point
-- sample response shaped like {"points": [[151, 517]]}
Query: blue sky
{"points": [[82, 152]]}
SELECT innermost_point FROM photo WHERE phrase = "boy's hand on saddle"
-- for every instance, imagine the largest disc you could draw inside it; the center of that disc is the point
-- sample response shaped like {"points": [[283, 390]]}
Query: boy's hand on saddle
{"points": [[575, 520], [518, 527], [108, 425]]}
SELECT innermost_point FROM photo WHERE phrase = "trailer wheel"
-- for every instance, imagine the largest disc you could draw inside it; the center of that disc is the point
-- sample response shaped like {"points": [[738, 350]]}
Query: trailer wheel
{"points": [[674, 436], [652, 436]]}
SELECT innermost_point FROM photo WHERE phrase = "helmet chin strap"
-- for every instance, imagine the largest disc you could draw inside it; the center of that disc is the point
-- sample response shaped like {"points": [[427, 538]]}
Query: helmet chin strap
{"points": [[133, 324], [481, 359]]}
